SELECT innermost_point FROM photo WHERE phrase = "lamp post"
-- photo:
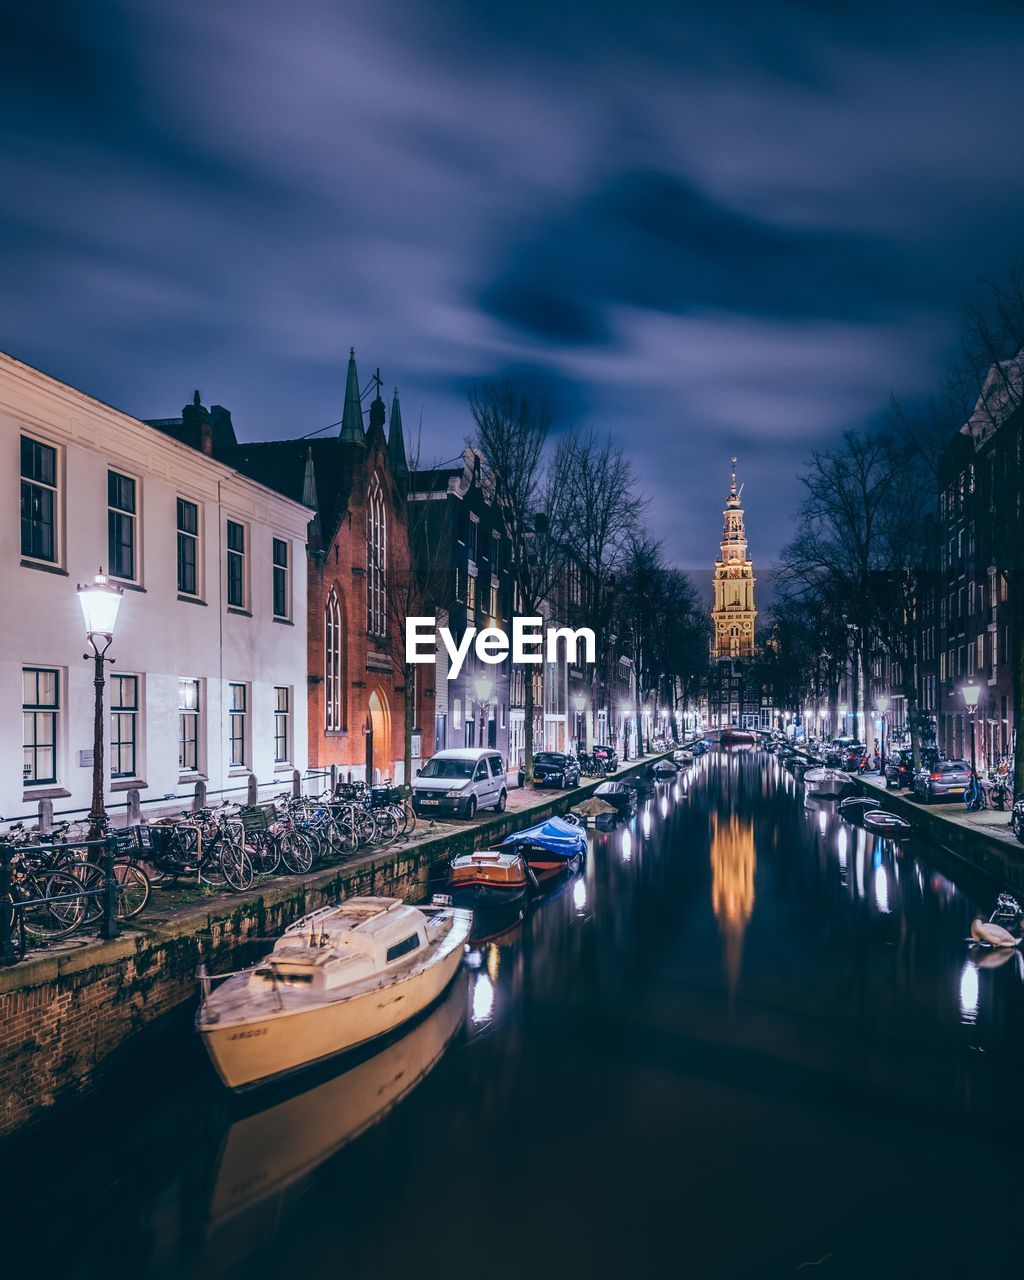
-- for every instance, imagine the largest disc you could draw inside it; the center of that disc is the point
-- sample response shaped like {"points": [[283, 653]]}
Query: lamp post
{"points": [[579, 702], [624, 710], [99, 600], [843, 710], [882, 706], [482, 687], [972, 692]]}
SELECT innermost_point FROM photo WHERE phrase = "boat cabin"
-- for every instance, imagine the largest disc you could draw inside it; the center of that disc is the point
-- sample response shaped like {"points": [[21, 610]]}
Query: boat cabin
{"points": [[336, 946]]}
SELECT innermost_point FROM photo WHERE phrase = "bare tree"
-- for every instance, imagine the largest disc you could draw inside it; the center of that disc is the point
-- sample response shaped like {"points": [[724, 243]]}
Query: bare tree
{"points": [[603, 510], [512, 432]]}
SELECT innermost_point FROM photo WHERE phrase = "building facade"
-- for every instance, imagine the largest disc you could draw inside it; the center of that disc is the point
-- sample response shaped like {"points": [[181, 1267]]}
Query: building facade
{"points": [[209, 668], [359, 576]]}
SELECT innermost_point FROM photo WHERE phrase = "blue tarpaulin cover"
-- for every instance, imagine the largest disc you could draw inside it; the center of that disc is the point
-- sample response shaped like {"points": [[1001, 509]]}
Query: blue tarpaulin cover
{"points": [[556, 834]]}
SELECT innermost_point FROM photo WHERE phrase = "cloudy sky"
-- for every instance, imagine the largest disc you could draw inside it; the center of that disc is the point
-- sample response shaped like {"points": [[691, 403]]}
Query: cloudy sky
{"points": [[705, 229]]}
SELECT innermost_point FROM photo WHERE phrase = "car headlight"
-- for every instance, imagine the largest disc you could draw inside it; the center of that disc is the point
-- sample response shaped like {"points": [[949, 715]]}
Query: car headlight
{"points": [[453, 795]]}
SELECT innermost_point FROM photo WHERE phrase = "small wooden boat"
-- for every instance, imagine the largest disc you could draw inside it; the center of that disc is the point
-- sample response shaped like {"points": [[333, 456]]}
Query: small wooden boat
{"points": [[682, 756], [735, 737], [489, 878], [592, 807], [825, 783], [853, 808], [551, 847], [665, 769], [887, 824], [992, 935], [337, 978]]}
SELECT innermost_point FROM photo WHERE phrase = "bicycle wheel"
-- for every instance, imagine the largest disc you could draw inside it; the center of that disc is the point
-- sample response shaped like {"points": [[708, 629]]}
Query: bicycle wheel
{"points": [[365, 826], [387, 825], [58, 907], [408, 819], [296, 854], [344, 833], [265, 852], [9, 908], [235, 865], [133, 889]]}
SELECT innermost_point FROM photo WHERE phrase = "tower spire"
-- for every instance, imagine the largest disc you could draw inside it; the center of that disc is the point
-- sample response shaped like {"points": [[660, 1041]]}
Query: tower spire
{"points": [[396, 440], [352, 416]]}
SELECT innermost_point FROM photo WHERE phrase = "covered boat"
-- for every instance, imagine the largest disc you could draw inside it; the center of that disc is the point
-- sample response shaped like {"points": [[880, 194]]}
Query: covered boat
{"points": [[666, 768], [617, 793], [735, 737], [826, 783], [552, 846], [337, 978], [489, 878]]}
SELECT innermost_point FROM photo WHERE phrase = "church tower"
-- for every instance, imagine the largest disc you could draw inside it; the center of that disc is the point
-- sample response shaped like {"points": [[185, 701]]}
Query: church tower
{"points": [[733, 613]]}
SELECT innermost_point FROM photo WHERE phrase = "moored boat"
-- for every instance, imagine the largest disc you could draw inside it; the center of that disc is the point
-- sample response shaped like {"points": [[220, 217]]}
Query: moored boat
{"points": [[337, 978], [489, 878], [550, 847], [617, 793], [735, 737], [883, 823], [825, 783], [665, 768], [853, 808]]}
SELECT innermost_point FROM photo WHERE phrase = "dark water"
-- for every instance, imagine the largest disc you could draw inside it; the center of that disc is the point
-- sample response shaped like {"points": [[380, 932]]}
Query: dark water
{"points": [[749, 1038]]}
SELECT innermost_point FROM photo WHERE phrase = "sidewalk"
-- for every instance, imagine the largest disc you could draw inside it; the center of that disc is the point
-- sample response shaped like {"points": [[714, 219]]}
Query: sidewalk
{"points": [[991, 822]]}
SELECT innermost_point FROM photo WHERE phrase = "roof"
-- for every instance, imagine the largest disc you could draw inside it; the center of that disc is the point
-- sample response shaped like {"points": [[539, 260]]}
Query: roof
{"points": [[282, 465], [465, 753]]}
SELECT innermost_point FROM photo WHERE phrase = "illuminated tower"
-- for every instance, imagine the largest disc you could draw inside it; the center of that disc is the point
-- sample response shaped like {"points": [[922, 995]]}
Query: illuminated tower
{"points": [[733, 613]]}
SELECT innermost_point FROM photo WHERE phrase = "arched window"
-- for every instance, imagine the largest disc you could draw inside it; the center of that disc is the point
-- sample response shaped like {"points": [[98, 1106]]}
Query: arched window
{"points": [[376, 561], [333, 648]]}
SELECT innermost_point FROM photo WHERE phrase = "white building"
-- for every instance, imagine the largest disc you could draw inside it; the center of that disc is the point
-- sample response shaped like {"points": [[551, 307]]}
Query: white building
{"points": [[208, 680]]}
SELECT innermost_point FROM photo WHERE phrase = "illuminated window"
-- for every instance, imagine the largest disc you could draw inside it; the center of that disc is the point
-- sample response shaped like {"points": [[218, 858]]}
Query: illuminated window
{"points": [[333, 703], [376, 562]]}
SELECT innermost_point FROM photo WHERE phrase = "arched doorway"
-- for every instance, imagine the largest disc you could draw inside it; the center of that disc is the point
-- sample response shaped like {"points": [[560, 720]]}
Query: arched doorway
{"points": [[378, 738]]}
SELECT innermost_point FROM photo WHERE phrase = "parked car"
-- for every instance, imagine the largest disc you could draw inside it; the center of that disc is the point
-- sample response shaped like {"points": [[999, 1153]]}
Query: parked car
{"points": [[943, 780], [553, 769], [609, 755], [457, 782], [899, 766], [836, 752]]}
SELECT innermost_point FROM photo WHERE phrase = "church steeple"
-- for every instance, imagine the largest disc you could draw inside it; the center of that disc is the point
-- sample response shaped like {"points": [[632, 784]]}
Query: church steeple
{"points": [[352, 417], [396, 440], [733, 614]]}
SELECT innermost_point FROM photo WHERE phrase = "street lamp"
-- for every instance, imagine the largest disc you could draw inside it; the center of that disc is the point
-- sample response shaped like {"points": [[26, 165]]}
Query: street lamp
{"points": [[100, 600], [482, 685], [625, 708], [972, 692], [882, 706], [843, 710], [579, 702]]}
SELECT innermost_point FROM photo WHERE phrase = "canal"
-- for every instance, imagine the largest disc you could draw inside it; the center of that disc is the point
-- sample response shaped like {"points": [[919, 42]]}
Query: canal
{"points": [[748, 1040]]}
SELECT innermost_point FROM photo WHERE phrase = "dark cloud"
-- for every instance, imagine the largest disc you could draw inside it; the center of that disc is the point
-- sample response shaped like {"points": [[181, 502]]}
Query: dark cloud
{"points": [[706, 228]]}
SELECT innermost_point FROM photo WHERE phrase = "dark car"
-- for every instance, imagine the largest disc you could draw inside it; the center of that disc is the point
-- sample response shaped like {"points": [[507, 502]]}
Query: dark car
{"points": [[943, 780], [553, 769], [607, 755], [899, 767], [837, 750]]}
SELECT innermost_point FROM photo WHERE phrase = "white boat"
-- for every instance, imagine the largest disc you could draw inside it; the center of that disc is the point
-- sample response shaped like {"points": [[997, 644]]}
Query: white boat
{"points": [[826, 783], [337, 978]]}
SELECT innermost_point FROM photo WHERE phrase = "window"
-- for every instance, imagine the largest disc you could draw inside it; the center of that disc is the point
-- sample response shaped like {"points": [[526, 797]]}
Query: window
{"points": [[471, 593], [38, 500], [189, 706], [238, 712], [333, 702], [403, 948], [236, 565], [376, 562], [121, 516], [124, 726], [282, 704], [281, 588], [471, 538], [493, 607], [458, 584], [40, 709], [188, 548]]}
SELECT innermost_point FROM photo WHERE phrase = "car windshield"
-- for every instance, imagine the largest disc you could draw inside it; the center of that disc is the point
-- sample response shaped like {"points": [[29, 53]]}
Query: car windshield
{"points": [[953, 766], [440, 767], [548, 757]]}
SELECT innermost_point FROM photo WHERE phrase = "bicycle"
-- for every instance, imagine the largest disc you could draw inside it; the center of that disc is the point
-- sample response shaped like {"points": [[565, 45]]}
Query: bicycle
{"points": [[202, 845], [975, 798]]}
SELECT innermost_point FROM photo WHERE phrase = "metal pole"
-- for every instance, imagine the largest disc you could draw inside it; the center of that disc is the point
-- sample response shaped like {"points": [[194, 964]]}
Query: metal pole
{"points": [[97, 814], [7, 921], [110, 927], [974, 766]]}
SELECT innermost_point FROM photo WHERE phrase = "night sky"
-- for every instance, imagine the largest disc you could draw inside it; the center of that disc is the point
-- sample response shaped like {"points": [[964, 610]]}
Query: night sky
{"points": [[706, 229]]}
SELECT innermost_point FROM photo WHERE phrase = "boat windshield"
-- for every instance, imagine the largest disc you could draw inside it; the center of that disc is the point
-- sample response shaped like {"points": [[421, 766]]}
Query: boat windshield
{"points": [[447, 768]]}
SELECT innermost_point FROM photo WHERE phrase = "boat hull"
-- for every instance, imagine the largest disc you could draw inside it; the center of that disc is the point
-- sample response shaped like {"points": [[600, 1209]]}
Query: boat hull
{"points": [[486, 894], [255, 1051]]}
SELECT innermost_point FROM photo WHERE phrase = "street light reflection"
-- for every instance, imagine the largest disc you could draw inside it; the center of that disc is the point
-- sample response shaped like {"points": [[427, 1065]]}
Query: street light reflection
{"points": [[579, 896], [627, 844], [882, 890], [646, 823], [483, 998], [969, 993]]}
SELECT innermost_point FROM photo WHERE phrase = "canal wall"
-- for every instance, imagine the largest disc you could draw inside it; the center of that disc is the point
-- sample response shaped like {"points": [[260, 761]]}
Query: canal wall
{"points": [[66, 1016]]}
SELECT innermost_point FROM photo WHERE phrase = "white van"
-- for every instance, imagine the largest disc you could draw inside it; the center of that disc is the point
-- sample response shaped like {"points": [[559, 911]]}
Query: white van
{"points": [[458, 782]]}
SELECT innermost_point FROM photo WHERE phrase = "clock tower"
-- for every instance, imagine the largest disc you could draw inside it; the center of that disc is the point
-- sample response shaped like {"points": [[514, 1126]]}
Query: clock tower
{"points": [[733, 613]]}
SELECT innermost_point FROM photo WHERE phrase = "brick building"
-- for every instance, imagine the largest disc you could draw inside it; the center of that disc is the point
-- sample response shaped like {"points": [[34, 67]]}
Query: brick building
{"points": [[357, 548]]}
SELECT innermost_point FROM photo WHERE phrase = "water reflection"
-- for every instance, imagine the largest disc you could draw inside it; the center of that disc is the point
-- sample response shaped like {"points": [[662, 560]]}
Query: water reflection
{"points": [[969, 992], [733, 862]]}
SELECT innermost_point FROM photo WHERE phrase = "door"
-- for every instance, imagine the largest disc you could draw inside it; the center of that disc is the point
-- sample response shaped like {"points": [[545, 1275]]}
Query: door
{"points": [[482, 784]]}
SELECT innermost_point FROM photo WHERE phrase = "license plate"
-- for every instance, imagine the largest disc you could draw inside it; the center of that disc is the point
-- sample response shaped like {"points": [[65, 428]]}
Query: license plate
{"points": [[430, 802], [953, 790]]}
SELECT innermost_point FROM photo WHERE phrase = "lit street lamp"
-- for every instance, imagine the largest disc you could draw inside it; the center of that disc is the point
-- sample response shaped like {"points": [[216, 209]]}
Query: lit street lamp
{"points": [[843, 712], [882, 706], [972, 692], [625, 708], [483, 688], [100, 600]]}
